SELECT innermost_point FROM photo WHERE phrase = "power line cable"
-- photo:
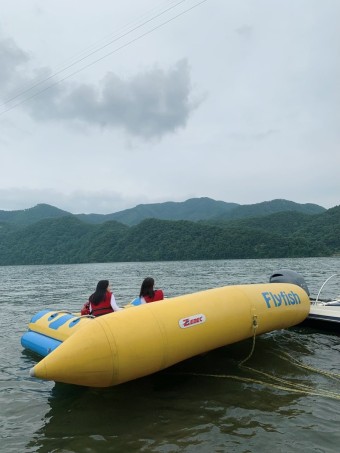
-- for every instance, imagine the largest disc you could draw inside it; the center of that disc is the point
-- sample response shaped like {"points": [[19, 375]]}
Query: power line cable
{"points": [[102, 58], [114, 34], [79, 60]]}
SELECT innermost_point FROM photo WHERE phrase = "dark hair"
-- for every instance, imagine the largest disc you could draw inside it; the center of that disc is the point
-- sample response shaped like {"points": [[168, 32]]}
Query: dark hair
{"points": [[100, 292], [147, 287]]}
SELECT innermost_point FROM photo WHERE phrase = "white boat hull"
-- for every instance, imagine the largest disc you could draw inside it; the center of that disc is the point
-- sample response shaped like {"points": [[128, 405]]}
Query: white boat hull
{"points": [[326, 312]]}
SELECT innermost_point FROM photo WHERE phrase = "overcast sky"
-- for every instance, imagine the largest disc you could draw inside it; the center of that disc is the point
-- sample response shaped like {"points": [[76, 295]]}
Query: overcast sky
{"points": [[106, 105]]}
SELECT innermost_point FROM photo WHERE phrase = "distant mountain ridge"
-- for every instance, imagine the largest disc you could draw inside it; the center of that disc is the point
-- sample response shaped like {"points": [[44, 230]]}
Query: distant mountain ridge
{"points": [[28, 216], [194, 209], [271, 207], [67, 239]]}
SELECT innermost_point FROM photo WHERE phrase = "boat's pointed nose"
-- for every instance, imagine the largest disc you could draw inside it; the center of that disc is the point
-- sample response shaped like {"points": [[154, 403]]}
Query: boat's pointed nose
{"points": [[79, 359]]}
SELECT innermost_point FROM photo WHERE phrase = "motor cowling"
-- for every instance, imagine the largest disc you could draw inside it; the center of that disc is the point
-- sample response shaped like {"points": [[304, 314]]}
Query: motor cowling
{"points": [[289, 276]]}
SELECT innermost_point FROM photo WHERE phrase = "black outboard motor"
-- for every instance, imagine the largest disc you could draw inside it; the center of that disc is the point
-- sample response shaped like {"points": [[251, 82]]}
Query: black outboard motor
{"points": [[288, 276]]}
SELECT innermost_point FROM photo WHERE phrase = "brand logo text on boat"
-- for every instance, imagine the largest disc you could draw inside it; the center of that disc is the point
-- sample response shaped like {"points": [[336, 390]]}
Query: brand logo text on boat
{"points": [[191, 321], [277, 299]]}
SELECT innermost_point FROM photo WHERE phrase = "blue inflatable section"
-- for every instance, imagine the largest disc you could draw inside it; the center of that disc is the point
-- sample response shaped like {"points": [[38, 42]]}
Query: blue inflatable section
{"points": [[60, 321], [137, 301], [39, 343], [39, 315]]}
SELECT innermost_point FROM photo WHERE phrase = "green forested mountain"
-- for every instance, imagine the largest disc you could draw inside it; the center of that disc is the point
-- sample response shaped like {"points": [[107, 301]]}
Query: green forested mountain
{"points": [[270, 207], [285, 223], [322, 228], [201, 209], [25, 217], [45, 242], [70, 240], [194, 209], [6, 227]]}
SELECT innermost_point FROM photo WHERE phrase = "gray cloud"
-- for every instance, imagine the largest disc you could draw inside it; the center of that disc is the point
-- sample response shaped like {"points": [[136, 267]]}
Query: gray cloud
{"points": [[12, 60], [149, 105]]}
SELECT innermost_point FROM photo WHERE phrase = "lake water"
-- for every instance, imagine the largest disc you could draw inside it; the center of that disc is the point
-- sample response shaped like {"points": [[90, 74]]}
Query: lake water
{"points": [[206, 404]]}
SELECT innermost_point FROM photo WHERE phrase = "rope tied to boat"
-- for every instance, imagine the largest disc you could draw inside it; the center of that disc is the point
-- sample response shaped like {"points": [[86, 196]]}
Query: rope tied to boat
{"points": [[255, 326], [277, 383], [296, 362], [287, 387]]}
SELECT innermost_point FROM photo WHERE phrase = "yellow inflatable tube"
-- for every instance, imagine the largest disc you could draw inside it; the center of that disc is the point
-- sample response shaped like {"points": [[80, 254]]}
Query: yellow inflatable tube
{"points": [[132, 343]]}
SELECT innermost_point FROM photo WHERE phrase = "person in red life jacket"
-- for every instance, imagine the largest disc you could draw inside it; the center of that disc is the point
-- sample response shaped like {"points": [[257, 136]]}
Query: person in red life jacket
{"points": [[148, 293], [101, 302]]}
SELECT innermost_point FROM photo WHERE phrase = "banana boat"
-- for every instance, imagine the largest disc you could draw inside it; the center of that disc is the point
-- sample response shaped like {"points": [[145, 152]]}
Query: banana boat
{"points": [[141, 340]]}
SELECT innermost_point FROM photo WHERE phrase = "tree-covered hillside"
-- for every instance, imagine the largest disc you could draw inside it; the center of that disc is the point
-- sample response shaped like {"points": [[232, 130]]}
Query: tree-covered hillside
{"points": [[29, 216], [69, 240], [270, 207], [193, 209]]}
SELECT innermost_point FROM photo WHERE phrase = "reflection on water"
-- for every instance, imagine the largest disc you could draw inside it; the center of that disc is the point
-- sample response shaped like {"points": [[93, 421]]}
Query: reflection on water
{"points": [[205, 404], [186, 406]]}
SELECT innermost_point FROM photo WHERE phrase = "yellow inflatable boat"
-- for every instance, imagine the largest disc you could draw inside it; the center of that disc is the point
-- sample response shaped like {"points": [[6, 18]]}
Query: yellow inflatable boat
{"points": [[141, 340]]}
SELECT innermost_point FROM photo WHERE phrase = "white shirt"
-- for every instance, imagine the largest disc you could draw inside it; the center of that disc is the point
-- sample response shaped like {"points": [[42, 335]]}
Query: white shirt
{"points": [[114, 304]]}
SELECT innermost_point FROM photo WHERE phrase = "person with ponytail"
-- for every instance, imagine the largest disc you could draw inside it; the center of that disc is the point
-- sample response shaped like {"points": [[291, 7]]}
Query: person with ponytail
{"points": [[101, 302]]}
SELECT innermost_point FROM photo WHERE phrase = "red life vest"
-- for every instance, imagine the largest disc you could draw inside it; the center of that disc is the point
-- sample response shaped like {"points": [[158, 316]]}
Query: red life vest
{"points": [[104, 306], [86, 309], [157, 296]]}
